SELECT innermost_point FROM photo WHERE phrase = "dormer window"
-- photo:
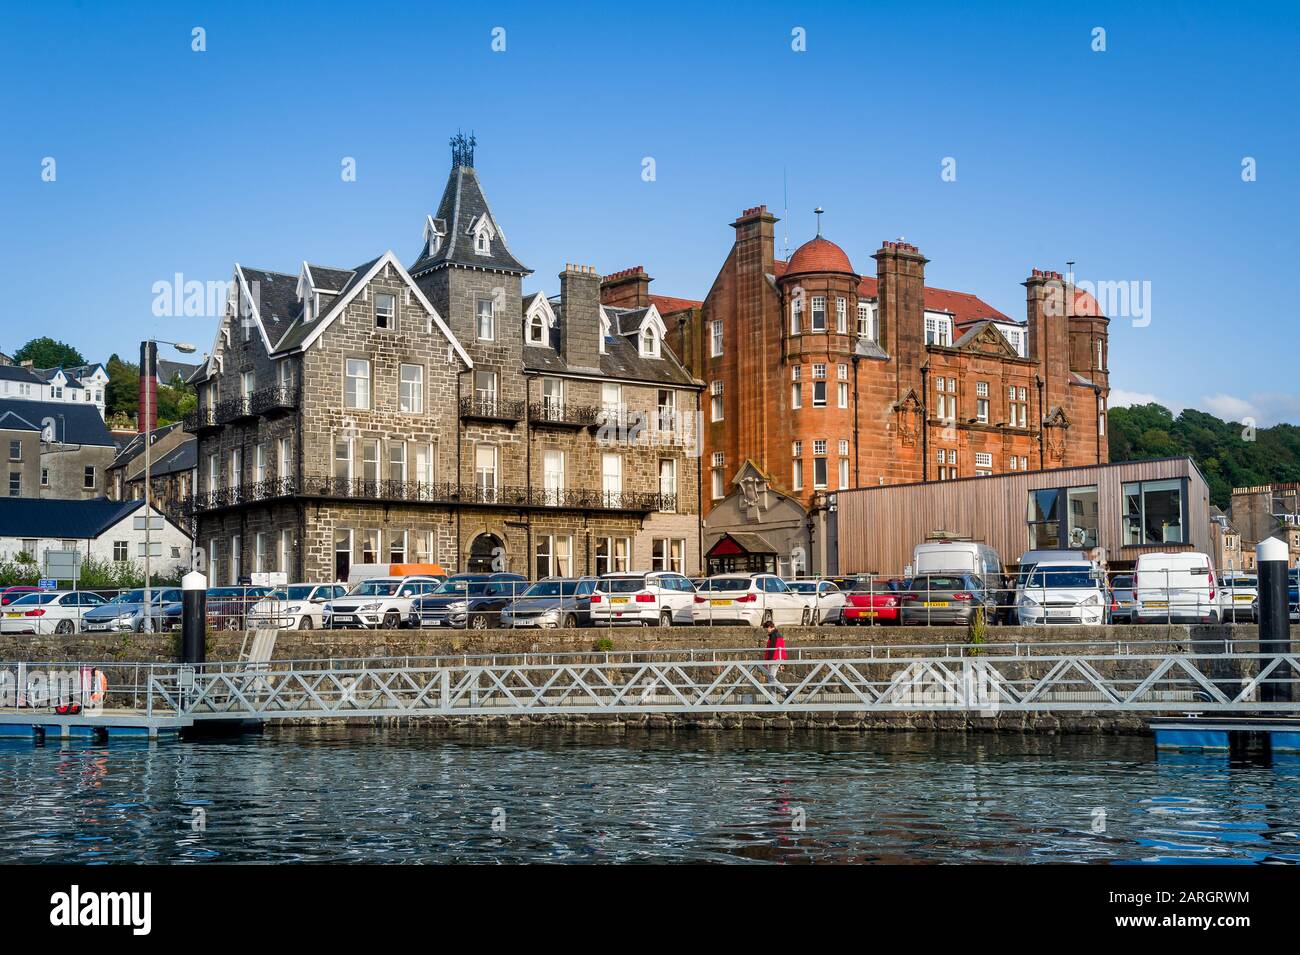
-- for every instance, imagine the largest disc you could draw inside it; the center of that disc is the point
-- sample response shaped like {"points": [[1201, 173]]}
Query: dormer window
{"points": [[308, 308], [649, 343], [604, 330], [482, 243], [537, 329]]}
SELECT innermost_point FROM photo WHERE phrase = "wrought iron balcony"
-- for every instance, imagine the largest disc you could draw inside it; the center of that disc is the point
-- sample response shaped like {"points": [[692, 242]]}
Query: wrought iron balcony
{"points": [[498, 410], [235, 409], [276, 399], [200, 419], [419, 492], [556, 414]]}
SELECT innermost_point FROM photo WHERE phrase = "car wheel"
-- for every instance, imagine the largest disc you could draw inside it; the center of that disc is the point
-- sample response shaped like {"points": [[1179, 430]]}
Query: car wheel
{"points": [[666, 618], [767, 618], [305, 623], [805, 618], [570, 621], [478, 621], [65, 626], [231, 623], [392, 620]]}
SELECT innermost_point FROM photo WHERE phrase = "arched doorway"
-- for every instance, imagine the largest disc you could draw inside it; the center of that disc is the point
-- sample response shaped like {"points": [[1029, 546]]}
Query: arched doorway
{"points": [[487, 555]]}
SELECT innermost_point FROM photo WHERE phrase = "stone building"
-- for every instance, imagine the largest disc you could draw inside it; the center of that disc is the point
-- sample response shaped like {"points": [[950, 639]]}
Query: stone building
{"points": [[54, 450], [826, 378], [173, 458], [1264, 511], [437, 414]]}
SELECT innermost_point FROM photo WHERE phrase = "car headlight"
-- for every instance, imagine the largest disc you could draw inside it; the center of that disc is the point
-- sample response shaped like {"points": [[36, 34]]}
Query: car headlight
{"points": [[374, 606], [458, 605], [1029, 601], [126, 616], [1092, 601], [293, 608], [552, 612]]}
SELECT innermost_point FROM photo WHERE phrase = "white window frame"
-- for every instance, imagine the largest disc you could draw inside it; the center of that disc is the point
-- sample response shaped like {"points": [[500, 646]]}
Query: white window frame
{"points": [[485, 320], [390, 317], [410, 392], [715, 338], [356, 384]]}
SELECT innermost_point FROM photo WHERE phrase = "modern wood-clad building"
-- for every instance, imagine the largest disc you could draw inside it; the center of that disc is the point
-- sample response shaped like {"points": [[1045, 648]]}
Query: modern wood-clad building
{"points": [[1128, 508]]}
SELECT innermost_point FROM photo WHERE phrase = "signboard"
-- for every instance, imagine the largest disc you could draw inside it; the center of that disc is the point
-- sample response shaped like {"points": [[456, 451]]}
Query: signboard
{"points": [[274, 578], [63, 564], [155, 522], [153, 548], [47, 583]]}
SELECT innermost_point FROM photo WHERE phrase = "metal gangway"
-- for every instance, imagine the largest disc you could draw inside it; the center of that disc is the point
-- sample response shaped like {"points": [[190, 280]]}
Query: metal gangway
{"points": [[1143, 679]]}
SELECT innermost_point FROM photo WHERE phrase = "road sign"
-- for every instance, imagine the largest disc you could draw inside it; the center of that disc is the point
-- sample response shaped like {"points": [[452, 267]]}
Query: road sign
{"points": [[154, 549], [155, 522], [63, 564], [47, 583]]}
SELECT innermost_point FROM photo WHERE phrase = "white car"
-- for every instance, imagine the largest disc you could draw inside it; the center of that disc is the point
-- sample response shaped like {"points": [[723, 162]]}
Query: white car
{"points": [[1236, 595], [293, 607], [1062, 593], [380, 601], [1175, 588], [49, 611], [825, 601], [658, 597], [751, 599]]}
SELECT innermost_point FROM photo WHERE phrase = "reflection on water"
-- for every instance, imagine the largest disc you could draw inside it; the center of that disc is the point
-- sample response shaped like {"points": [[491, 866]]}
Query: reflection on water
{"points": [[340, 794]]}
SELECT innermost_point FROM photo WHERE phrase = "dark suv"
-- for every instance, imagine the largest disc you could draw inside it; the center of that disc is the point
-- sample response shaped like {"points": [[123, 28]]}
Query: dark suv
{"points": [[468, 600]]}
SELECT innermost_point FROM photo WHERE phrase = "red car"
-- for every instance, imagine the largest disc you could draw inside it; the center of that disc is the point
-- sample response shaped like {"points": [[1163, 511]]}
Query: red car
{"points": [[871, 600], [10, 594]]}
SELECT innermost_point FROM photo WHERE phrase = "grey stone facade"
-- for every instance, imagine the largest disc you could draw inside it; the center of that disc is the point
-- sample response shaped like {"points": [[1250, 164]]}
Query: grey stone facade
{"points": [[335, 484]]}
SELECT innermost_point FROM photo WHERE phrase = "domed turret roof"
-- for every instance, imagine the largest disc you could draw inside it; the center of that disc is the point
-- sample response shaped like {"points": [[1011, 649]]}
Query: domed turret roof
{"points": [[819, 255]]}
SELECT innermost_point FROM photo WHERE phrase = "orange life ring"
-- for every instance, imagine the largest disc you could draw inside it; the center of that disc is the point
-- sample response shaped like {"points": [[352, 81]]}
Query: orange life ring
{"points": [[99, 686]]}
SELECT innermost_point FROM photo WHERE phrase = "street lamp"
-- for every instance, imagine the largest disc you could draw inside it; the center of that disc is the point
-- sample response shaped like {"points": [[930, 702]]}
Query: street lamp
{"points": [[148, 351]]}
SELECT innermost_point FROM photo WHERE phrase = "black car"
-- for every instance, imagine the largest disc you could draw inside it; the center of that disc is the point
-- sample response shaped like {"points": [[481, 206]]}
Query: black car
{"points": [[468, 600]]}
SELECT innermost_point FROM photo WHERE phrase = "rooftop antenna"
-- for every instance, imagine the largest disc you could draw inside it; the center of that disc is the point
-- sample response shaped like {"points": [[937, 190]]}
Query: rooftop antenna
{"points": [[785, 212], [818, 213], [1069, 285]]}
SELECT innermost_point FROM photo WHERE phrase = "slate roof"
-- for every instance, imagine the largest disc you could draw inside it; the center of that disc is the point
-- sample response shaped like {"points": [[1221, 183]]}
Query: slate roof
{"points": [[277, 298], [19, 373], [327, 279], [622, 358], [183, 457], [136, 445], [56, 517], [167, 369], [74, 423], [297, 331], [463, 203]]}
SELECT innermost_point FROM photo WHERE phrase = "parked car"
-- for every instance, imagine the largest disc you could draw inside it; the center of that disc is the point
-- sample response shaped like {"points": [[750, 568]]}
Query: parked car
{"points": [[751, 599], [1064, 593], [466, 600], [380, 601], [972, 559], [1236, 597], [552, 602], [9, 594], [824, 600], [1175, 588], [48, 611], [1123, 598], [125, 612], [227, 607], [293, 607], [947, 598], [657, 597], [872, 600]]}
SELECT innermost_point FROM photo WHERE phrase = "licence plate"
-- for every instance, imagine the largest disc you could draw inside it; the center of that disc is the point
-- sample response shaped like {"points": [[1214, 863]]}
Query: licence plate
{"points": [[619, 600], [868, 613], [715, 603], [1062, 612], [935, 603], [344, 618], [1156, 603], [96, 626], [1245, 597], [13, 615]]}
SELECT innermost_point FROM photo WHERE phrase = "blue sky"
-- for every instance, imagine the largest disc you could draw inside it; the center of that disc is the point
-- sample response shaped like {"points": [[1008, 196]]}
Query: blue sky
{"points": [[1128, 161]]}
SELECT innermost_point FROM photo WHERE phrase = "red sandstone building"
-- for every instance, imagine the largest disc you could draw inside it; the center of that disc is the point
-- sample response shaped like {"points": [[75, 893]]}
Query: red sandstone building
{"points": [[819, 378]]}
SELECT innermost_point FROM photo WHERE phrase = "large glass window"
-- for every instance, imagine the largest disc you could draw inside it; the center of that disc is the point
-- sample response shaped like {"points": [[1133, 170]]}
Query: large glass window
{"points": [[1063, 517], [1153, 512], [1044, 519], [1082, 507]]}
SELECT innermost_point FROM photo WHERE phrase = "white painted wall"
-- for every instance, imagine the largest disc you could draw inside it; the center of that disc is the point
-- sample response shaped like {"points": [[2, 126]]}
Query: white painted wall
{"points": [[175, 544]]}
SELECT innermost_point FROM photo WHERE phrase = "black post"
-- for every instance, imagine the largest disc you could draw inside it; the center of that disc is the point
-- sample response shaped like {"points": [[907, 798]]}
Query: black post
{"points": [[1274, 616], [194, 617]]}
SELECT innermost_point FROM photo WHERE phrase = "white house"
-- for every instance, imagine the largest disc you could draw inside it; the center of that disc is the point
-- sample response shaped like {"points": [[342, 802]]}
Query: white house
{"points": [[83, 385], [99, 529]]}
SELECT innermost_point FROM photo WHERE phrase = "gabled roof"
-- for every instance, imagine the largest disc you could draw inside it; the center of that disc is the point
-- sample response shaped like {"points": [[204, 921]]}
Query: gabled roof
{"points": [[57, 517], [669, 304], [136, 444], [21, 374], [985, 331], [327, 279], [73, 422], [462, 207], [183, 457], [622, 358], [167, 370]]}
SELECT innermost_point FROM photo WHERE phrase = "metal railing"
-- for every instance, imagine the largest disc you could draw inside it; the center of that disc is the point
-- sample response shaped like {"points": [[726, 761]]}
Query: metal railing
{"points": [[492, 409], [732, 681]]}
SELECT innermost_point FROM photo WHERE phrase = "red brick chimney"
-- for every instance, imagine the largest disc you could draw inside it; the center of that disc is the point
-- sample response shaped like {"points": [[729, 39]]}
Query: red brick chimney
{"points": [[900, 288], [629, 288], [148, 388], [1049, 342]]}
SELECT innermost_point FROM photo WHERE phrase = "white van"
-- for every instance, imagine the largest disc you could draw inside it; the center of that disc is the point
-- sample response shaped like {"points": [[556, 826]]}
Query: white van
{"points": [[1175, 588], [966, 557]]}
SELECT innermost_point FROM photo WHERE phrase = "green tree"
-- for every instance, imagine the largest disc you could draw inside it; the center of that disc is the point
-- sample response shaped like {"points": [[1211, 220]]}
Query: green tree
{"points": [[122, 396], [45, 352]]}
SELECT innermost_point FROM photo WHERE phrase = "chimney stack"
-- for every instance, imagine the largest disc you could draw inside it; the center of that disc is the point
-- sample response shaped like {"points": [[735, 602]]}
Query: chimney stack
{"points": [[629, 288], [1049, 342], [580, 316], [900, 290], [148, 388]]}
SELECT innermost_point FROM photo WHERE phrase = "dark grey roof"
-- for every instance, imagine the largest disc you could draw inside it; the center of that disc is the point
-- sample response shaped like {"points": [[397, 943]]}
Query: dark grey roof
{"points": [[296, 333], [167, 369], [463, 203], [277, 298], [74, 423], [622, 357], [327, 279], [19, 373], [183, 457], [56, 517], [135, 445], [869, 349]]}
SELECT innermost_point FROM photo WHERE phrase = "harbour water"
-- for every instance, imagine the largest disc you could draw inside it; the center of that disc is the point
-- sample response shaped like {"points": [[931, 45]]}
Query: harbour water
{"points": [[339, 794]]}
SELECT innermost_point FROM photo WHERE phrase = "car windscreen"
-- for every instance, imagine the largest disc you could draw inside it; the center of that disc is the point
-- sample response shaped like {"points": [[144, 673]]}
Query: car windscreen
{"points": [[1062, 578], [802, 586], [940, 583], [453, 587], [725, 583], [1241, 583], [293, 593], [1122, 583], [545, 588], [129, 597], [621, 585], [375, 588]]}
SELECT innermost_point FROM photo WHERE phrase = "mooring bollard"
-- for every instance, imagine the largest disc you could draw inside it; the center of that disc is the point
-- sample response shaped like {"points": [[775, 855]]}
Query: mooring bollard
{"points": [[194, 617], [1274, 616]]}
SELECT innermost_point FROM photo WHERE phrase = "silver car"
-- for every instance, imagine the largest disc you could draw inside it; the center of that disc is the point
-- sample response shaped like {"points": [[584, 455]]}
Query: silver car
{"points": [[552, 602], [125, 612]]}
